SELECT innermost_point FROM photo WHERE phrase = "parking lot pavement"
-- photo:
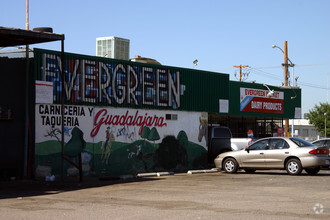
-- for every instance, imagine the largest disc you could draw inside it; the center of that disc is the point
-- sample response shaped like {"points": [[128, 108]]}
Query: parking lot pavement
{"points": [[215, 195]]}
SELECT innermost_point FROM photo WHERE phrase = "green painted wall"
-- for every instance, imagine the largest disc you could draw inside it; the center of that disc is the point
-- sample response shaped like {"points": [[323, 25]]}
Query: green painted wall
{"points": [[151, 86]]}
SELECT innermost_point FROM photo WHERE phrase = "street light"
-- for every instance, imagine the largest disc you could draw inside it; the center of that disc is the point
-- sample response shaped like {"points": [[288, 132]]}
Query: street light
{"points": [[195, 62], [291, 64], [286, 66]]}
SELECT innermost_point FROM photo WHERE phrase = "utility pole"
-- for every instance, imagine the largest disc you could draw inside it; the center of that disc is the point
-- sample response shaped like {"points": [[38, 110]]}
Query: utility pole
{"points": [[240, 70], [27, 26], [286, 66]]}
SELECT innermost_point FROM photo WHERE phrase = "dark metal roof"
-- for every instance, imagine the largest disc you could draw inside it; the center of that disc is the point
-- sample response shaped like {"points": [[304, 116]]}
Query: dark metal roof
{"points": [[16, 37]]}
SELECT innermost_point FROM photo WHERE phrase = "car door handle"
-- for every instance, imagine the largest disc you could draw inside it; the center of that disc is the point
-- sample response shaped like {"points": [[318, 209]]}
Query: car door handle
{"points": [[286, 152], [261, 153]]}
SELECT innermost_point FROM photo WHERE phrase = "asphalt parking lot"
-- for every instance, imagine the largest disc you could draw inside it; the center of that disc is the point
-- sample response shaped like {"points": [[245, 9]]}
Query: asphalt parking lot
{"points": [[263, 195]]}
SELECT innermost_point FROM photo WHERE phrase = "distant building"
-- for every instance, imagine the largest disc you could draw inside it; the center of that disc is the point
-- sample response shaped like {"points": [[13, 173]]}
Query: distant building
{"points": [[112, 47], [19, 52], [144, 60], [303, 129]]}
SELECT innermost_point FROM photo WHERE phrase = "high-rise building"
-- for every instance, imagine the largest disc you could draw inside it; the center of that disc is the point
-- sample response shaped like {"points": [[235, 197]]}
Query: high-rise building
{"points": [[112, 47]]}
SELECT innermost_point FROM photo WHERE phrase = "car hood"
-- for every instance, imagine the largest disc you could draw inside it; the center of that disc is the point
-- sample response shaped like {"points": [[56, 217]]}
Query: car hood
{"points": [[231, 153]]}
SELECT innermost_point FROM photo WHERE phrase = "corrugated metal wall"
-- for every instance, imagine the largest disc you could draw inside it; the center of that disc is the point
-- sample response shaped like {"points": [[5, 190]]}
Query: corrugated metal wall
{"points": [[12, 117], [99, 81]]}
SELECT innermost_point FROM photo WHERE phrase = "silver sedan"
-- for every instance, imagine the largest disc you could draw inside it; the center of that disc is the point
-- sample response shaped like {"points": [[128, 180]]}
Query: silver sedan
{"points": [[287, 153]]}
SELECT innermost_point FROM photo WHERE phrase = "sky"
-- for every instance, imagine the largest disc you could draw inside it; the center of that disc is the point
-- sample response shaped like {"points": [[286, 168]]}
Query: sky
{"points": [[220, 34]]}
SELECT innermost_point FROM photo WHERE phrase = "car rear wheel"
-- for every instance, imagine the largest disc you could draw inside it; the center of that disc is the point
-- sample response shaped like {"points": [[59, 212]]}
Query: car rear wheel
{"points": [[312, 171], [293, 167], [230, 165], [250, 170]]}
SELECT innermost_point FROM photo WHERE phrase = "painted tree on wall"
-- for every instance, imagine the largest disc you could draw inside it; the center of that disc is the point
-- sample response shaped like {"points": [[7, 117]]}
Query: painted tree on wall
{"points": [[75, 144], [171, 155], [145, 133], [153, 135], [183, 138]]}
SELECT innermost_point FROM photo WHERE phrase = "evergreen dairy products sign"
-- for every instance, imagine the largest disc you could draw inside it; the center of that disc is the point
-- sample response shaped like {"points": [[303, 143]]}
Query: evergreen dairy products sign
{"points": [[256, 100]]}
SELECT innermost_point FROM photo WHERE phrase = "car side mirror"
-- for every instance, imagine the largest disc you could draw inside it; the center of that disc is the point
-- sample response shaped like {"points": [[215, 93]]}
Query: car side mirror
{"points": [[247, 150]]}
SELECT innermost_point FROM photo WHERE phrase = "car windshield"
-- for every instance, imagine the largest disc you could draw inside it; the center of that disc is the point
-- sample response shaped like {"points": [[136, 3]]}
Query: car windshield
{"points": [[301, 142]]}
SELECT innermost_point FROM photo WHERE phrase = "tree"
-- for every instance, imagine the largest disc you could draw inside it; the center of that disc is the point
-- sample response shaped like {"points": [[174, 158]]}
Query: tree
{"points": [[318, 118]]}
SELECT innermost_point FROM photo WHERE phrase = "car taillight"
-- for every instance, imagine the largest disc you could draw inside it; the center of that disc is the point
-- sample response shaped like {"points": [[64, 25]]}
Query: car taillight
{"points": [[319, 151]]}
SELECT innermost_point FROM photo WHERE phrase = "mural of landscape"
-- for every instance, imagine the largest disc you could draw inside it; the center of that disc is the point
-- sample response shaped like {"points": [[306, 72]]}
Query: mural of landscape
{"points": [[117, 141]]}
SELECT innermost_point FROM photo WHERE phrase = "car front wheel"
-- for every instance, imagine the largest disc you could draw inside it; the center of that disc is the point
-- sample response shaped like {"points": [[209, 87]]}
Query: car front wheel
{"points": [[293, 167], [230, 165], [312, 171]]}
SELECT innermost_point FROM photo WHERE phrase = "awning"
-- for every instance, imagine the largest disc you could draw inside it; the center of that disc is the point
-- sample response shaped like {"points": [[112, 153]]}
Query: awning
{"points": [[16, 37]]}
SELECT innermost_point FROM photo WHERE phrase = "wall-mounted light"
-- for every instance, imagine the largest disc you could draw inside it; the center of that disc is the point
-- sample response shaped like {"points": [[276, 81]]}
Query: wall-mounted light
{"points": [[293, 97], [270, 92]]}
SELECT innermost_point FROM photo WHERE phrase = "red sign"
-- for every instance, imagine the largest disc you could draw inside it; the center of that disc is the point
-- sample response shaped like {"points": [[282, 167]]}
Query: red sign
{"points": [[257, 100], [264, 105], [102, 117]]}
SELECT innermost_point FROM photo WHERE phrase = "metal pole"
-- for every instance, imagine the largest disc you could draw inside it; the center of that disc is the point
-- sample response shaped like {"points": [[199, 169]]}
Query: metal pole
{"points": [[26, 132], [286, 80], [62, 108], [292, 128], [325, 125]]}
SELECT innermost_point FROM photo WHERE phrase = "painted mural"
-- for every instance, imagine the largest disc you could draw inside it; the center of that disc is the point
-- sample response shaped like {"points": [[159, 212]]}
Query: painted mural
{"points": [[115, 141]]}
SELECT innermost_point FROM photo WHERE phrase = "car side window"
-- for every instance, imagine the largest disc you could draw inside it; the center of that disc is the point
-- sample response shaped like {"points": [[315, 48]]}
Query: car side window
{"points": [[319, 143], [278, 144], [327, 143], [260, 145]]}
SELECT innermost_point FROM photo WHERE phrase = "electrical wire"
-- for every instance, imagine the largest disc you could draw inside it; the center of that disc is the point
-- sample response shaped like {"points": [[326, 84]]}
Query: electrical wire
{"points": [[276, 77], [264, 73], [296, 65]]}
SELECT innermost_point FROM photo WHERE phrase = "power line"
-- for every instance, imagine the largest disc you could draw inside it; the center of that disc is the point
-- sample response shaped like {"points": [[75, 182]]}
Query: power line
{"points": [[276, 77], [269, 75], [258, 71], [313, 85], [296, 65]]}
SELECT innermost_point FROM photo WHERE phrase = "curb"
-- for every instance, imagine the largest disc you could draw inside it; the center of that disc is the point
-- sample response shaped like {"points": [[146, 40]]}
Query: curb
{"points": [[154, 174], [213, 170], [124, 177]]}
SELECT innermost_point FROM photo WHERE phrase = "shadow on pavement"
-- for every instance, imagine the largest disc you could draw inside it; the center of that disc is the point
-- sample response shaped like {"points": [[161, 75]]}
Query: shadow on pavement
{"points": [[28, 188], [283, 173]]}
